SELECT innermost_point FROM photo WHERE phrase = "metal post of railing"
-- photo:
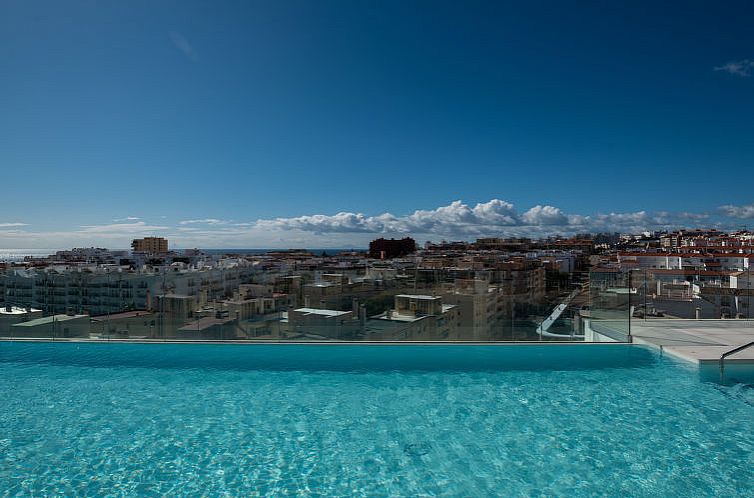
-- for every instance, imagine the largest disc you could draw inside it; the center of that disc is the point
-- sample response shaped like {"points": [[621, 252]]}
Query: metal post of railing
{"points": [[728, 353], [646, 273], [630, 318]]}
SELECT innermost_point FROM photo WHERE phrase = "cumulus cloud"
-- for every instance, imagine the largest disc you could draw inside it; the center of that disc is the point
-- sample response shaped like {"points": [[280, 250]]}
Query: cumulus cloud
{"points": [[455, 221], [341, 222], [744, 212], [463, 217], [744, 67], [621, 219], [460, 220], [544, 215], [457, 216]]}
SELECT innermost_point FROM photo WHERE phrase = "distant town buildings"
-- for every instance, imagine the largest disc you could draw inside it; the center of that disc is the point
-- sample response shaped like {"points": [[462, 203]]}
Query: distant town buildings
{"points": [[488, 289], [686, 273], [417, 317]]}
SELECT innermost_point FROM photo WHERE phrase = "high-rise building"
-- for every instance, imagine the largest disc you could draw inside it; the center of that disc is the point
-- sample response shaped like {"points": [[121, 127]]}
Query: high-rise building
{"points": [[153, 245]]}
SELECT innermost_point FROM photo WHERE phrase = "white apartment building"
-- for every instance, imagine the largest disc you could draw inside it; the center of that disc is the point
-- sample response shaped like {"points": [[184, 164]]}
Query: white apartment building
{"points": [[480, 308], [677, 261], [102, 289], [420, 318]]}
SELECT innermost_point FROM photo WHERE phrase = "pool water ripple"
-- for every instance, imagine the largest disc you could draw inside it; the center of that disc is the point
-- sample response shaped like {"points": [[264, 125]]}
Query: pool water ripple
{"points": [[648, 430]]}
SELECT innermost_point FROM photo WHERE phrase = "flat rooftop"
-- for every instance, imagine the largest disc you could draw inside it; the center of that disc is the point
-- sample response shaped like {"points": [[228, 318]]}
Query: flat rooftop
{"points": [[698, 341], [401, 317], [316, 311], [49, 319], [122, 315], [204, 324]]}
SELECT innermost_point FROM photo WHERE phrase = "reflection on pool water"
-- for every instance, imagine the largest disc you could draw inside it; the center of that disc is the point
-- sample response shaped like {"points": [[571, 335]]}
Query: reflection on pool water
{"points": [[214, 420]]}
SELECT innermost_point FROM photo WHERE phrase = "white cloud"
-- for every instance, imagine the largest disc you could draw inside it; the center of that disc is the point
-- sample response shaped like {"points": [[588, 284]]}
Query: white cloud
{"points": [[182, 44], [461, 217], [544, 215], [744, 67], [458, 220], [122, 228], [665, 217], [622, 219], [454, 221], [457, 216], [496, 211], [113, 235], [127, 218], [744, 212], [204, 221], [320, 223]]}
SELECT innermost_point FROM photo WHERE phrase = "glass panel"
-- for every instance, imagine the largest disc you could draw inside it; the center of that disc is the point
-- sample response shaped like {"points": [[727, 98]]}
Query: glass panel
{"points": [[611, 305], [694, 293], [299, 296]]}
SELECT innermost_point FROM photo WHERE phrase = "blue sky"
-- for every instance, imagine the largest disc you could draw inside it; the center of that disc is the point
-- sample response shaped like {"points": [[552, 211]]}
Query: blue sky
{"points": [[283, 123]]}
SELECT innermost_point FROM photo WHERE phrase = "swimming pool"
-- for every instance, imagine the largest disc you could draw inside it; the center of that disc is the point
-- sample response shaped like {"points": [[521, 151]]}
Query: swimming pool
{"points": [[231, 420]]}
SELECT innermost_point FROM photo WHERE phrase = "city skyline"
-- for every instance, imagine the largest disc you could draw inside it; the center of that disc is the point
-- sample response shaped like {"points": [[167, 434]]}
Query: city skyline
{"points": [[323, 125]]}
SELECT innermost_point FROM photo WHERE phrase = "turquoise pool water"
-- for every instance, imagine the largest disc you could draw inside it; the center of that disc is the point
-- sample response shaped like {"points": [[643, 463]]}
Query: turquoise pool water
{"points": [[240, 420]]}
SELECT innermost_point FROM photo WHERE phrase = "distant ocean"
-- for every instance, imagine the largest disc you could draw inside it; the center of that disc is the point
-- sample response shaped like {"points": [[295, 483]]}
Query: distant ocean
{"points": [[20, 254]]}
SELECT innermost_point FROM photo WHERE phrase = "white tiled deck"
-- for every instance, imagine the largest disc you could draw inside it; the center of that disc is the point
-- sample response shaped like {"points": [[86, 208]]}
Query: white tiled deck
{"points": [[698, 341]]}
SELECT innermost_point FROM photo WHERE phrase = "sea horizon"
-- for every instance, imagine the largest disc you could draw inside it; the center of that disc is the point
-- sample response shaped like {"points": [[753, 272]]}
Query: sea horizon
{"points": [[10, 255]]}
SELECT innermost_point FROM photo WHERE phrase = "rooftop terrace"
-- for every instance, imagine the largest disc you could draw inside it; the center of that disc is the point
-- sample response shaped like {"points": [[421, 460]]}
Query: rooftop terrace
{"points": [[698, 341]]}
